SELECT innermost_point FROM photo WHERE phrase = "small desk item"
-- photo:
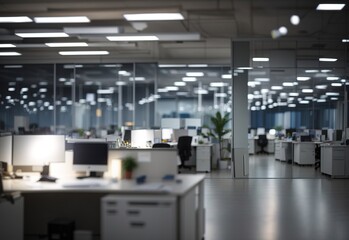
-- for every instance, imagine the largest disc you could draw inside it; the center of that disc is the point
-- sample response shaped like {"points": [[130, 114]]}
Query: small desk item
{"points": [[45, 178]]}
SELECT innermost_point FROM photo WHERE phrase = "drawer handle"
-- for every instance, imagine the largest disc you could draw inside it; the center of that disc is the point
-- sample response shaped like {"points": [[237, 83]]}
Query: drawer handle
{"points": [[133, 212], [137, 224], [112, 212], [111, 203]]}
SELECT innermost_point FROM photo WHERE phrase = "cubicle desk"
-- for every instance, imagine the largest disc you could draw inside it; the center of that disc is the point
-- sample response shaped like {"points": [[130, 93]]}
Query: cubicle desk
{"points": [[46, 201], [335, 160], [283, 150], [11, 219], [304, 153], [253, 147]]}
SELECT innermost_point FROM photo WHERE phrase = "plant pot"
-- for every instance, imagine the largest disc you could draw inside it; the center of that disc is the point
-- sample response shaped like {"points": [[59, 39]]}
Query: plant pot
{"points": [[223, 164], [128, 175]]}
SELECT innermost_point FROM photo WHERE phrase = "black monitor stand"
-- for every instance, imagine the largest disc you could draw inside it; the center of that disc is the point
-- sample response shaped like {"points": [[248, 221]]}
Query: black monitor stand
{"points": [[91, 174], [45, 175]]}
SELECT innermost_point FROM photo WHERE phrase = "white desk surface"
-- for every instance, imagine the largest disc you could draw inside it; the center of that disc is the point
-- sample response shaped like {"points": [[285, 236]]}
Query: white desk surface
{"points": [[119, 187]]}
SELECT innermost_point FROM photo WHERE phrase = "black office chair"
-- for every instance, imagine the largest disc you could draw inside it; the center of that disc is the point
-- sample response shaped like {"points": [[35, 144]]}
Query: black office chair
{"points": [[262, 142], [161, 145], [317, 156], [184, 150]]}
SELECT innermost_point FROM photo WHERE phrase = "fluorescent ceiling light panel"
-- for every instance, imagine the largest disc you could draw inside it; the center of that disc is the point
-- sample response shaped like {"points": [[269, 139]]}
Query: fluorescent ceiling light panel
{"points": [[218, 84], [67, 44], [9, 54], [194, 74], [226, 76], [321, 86], [92, 30], [345, 40], [262, 79], [293, 94], [75, 53], [172, 88], [291, 105], [260, 59], [189, 79], [334, 98], [326, 70], [153, 16], [327, 59], [180, 84], [336, 84], [198, 65], [42, 35], [287, 84], [7, 45], [312, 71], [13, 66], [105, 91], [304, 102], [19, 19], [307, 90], [303, 78], [171, 65], [73, 19], [276, 87], [133, 38], [332, 94], [330, 6], [332, 78]]}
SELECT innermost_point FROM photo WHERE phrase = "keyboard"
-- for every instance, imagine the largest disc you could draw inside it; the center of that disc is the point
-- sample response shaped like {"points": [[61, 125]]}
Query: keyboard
{"points": [[85, 183]]}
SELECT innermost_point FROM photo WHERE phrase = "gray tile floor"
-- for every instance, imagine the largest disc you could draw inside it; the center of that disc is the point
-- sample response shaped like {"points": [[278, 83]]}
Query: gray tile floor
{"points": [[258, 209], [278, 201]]}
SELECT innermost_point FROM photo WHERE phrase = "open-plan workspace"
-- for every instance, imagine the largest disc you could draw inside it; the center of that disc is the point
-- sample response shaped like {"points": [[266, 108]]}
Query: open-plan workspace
{"points": [[183, 120]]}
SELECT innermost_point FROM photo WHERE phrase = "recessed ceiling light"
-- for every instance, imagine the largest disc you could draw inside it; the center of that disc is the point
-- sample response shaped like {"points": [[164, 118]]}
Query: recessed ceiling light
{"points": [[291, 105], [120, 83], [153, 16], [334, 98], [321, 100], [336, 84], [332, 94], [321, 86], [307, 90], [67, 44], [75, 53], [262, 79], [293, 94], [194, 74], [133, 38], [260, 59], [4, 54], [42, 34], [327, 59], [74, 19], [326, 70], [303, 78], [345, 40], [19, 19], [7, 45], [332, 78], [226, 76], [304, 102], [189, 79], [283, 30], [330, 6], [137, 78], [218, 84], [276, 87], [312, 71], [180, 84], [295, 19], [200, 91], [172, 88], [287, 84]]}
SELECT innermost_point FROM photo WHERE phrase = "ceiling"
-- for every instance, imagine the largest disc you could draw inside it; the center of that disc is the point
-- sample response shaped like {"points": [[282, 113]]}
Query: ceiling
{"points": [[211, 25], [203, 37]]}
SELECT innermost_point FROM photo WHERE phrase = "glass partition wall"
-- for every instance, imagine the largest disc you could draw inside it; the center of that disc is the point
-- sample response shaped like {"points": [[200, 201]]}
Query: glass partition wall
{"points": [[287, 92]]}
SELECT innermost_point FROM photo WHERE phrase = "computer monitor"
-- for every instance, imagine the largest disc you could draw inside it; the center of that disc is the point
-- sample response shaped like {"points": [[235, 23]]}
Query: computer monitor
{"points": [[6, 149], [90, 157], [38, 150], [127, 135], [167, 134], [338, 135]]}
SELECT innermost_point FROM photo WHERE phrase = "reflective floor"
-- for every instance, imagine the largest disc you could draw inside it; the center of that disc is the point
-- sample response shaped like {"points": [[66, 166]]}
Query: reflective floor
{"points": [[258, 209]]}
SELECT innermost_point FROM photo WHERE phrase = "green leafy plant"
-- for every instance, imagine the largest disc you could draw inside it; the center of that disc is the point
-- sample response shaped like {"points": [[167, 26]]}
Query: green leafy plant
{"points": [[219, 123], [129, 163]]}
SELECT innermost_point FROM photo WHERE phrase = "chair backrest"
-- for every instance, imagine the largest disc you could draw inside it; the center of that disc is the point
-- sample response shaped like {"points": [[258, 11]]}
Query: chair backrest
{"points": [[161, 145], [184, 147], [262, 140]]}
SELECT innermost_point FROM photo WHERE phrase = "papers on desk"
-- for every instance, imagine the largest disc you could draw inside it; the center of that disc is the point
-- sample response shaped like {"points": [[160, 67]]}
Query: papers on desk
{"points": [[86, 183], [156, 186]]}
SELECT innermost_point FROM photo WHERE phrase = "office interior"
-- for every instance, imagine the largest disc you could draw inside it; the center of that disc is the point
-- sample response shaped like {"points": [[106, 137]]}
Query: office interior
{"points": [[139, 93]]}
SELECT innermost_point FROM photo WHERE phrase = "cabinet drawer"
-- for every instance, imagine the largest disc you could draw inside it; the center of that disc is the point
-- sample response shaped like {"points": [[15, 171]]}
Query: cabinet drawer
{"points": [[203, 152]]}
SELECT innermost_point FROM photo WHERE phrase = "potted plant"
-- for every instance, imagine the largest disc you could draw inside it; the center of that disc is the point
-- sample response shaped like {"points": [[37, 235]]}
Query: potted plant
{"points": [[219, 123], [128, 165]]}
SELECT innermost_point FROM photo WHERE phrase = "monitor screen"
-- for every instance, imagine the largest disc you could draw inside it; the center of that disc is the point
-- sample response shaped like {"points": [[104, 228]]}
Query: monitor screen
{"points": [[167, 134], [90, 156], [6, 149], [127, 135], [38, 150]]}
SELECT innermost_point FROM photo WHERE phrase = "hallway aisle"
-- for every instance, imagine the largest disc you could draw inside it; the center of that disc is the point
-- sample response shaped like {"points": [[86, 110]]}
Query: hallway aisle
{"points": [[274, 209]]}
